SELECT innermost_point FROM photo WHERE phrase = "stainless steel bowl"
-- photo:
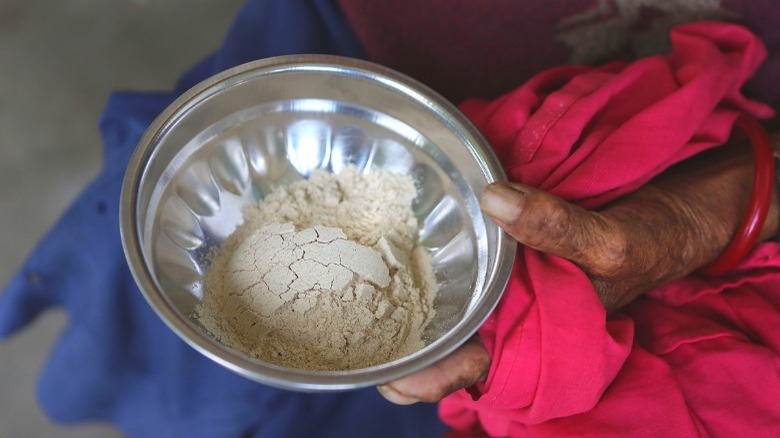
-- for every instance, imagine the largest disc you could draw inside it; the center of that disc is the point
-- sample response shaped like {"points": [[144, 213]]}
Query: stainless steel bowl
{"points": [[234, 137]]}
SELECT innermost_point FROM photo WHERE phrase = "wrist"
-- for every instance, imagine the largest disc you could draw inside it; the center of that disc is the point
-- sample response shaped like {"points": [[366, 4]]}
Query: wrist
{"points": [[759, 204], [771, 228]]}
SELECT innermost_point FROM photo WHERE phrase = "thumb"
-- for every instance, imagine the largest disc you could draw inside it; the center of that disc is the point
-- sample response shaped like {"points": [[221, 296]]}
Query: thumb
{"points": [[549, 224]]}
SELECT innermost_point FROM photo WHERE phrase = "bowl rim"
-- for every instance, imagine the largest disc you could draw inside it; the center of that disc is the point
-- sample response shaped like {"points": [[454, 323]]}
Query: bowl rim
{"points": [[306, 380]]}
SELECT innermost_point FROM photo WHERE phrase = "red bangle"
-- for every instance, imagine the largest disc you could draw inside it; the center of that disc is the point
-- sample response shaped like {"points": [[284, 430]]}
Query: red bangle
{"points": [[760, 199]]}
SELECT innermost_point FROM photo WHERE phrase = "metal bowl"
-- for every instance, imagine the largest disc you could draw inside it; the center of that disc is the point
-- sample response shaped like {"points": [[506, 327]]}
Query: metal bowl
{"points": [[234, 137]]}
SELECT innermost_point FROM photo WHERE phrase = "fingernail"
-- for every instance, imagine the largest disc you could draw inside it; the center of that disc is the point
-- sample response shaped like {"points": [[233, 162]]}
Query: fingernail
{"points": [[394, 396], [502, 202]]}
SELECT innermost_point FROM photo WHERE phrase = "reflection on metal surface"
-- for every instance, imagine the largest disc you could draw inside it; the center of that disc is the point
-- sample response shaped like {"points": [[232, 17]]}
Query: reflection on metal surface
{"points": [[231, 140]]}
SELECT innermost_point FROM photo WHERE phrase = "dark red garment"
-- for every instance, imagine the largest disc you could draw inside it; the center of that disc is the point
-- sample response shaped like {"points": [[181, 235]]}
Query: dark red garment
{"points": [[696, 357], [462, 48], [484, 48]]}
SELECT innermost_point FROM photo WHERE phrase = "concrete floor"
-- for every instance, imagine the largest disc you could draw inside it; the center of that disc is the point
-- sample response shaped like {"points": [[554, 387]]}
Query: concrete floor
{"points": [[60, 61]]}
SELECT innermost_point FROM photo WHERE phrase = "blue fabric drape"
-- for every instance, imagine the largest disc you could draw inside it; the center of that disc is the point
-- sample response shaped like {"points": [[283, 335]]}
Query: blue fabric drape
{"points": [[115, 360]]}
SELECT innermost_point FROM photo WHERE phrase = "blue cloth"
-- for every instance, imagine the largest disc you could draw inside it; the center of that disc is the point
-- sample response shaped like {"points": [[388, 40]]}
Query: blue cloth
{"points": [[115, 360]]}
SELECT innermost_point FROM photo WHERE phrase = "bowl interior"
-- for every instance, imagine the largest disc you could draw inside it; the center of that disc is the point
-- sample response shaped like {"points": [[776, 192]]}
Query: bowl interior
{"points": [[236, 139]]}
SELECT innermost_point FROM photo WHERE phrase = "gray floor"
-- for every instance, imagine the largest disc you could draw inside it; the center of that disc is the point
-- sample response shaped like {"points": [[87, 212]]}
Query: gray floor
{"points": [[59, 60]]}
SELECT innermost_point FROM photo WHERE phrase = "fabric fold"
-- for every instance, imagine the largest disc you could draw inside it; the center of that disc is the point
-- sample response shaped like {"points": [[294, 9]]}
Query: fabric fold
{"points": [[591, 135]]}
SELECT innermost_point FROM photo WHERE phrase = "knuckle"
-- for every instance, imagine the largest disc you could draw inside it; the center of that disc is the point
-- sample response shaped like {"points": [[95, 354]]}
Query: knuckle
{"points": [[549, 225], [612, 252], [468, 366], [473, 368]]}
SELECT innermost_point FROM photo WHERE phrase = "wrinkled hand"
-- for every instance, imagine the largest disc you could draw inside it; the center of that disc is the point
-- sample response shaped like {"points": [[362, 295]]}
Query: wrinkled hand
{"points": [[675, 224], [672, 226], [466, 366]]}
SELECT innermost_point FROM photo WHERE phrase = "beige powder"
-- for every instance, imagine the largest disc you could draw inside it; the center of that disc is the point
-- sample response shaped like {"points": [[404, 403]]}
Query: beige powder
{"points": [[324, 274]]}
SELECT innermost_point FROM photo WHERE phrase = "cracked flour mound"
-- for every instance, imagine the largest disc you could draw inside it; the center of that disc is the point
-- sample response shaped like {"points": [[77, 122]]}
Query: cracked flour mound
{"points": [[324, 274]]}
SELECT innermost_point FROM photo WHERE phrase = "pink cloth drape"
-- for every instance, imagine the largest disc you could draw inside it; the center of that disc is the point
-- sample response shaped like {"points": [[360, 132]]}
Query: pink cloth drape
{"points": [[695, 358]]}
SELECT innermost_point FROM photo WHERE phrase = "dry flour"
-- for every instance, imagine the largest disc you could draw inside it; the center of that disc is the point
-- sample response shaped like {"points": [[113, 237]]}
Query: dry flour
{"points": [[324, 274]]}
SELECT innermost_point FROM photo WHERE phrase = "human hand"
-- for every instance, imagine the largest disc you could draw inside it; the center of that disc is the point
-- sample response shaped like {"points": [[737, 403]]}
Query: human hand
{"points": [[665, 230], [467, 365]]}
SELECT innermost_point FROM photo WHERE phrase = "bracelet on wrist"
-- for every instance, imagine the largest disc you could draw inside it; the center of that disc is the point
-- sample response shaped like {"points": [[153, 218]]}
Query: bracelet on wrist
{"points": [[764, 180]]}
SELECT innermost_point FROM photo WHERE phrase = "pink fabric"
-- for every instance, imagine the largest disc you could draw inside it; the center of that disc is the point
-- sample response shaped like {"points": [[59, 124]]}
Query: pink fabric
{"points": [[695, 358]]}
